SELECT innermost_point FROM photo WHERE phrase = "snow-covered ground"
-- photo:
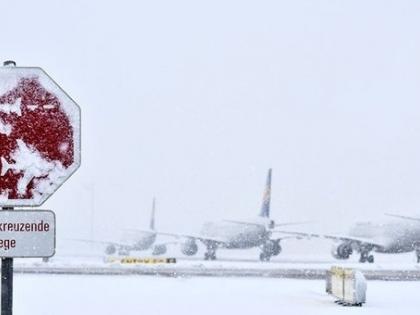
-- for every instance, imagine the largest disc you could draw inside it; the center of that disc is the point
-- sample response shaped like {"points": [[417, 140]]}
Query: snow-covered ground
{"points": [[298, 260], [69, 295], [295, 255], [312, 251], [137, 294], [230, 263]]}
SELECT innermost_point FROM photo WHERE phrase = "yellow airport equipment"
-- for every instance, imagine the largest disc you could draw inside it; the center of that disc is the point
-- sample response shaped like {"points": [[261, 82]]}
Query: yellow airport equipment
{"points": [[140, 260], [346, 284]]}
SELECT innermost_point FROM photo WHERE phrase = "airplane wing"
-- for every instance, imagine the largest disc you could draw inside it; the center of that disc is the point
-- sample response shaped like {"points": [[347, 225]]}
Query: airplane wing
{"points": [[402, 217], [117, 244], [360, 240], [293, 223], [194, 236], [243, 222], [216, 240], [277, 224]]}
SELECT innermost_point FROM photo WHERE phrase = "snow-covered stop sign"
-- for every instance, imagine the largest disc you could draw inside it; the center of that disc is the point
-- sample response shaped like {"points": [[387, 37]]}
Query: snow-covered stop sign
{"points": [[39, 136]]}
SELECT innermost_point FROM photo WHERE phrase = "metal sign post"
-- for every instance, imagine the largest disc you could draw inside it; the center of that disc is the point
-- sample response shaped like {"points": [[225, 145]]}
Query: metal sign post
{"points": [[23, 233], [6, 286], [6, 282]]}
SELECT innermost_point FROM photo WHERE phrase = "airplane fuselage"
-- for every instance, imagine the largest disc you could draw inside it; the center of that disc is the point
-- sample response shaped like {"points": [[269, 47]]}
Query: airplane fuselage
{"points": [[236, 235], [141, 240], [397, 237]]}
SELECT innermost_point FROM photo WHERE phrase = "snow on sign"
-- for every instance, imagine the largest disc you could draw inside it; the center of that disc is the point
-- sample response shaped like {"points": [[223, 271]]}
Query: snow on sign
{"points": [[26, 233], [39, 136]]}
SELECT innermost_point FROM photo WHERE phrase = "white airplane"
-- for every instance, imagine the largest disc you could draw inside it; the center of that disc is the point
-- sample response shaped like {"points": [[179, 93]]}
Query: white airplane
{"points": [[232, 234], [132, 240], [365, 238], [417, 244]]}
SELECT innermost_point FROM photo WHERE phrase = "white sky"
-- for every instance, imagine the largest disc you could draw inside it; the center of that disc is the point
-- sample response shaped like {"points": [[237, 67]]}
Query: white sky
{"points": [[192, 101]]}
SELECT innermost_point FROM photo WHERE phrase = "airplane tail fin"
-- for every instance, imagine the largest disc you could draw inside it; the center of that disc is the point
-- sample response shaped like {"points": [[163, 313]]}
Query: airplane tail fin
{"points": [[152, 218], [265, 207]]}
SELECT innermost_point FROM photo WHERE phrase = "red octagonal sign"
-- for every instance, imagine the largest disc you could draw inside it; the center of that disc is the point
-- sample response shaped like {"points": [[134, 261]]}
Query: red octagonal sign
{"points": [[39, 136]]}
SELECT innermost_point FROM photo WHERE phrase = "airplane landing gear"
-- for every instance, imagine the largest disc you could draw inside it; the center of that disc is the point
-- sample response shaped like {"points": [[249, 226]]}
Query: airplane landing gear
{"points": [[269, 249], [265, 257], [210, 254], [123, 252], [365, 257], [417, 250]]}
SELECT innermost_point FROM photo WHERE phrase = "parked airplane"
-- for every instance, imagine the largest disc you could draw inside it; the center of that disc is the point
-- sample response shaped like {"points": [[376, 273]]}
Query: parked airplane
{"points": [[132, 240], [417, 247], [365, 238], [232, 234]]}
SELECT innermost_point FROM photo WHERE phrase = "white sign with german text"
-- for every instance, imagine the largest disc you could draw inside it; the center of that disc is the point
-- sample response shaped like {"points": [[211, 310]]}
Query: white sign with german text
{"points": [[27, 233]]}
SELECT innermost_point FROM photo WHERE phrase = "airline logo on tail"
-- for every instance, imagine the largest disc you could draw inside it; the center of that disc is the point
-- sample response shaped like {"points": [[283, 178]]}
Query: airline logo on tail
{"points": [[265, 208], [152, 217]]}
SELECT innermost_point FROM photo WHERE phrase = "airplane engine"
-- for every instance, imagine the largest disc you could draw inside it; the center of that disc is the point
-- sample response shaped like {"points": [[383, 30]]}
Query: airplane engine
{"points": [[342, 251], [159, 249], [272, 247], [110, 249], [189, 248]]}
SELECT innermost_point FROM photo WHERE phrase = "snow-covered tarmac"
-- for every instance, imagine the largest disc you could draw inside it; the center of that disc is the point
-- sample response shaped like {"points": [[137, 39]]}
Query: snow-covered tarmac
{"points": [[385, 269], [69, 295], [247, 286], [218, 269]]}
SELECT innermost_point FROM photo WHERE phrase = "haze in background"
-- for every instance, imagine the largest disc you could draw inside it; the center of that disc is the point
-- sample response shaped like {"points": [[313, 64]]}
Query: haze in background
{"points": [[192, 102]]}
